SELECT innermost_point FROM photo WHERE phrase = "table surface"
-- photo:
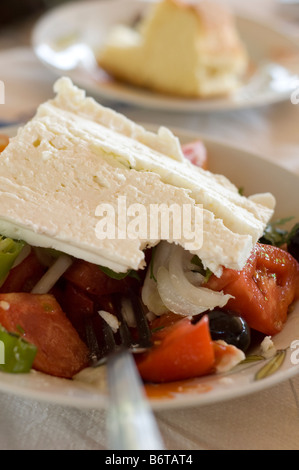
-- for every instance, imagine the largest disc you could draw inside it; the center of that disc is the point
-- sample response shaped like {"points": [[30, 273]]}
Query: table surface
{"points": [[265, 420]]}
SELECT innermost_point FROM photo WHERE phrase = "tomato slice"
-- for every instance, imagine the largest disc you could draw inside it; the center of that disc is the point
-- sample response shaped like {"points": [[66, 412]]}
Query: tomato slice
{"points": [[77, 307], [196, 152], [181, 351], [23, 277], [89, 278], [60, 351], [264, 290], [165, 320]]}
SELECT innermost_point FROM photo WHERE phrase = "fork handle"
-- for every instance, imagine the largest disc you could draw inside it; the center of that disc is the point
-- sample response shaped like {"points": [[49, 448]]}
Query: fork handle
{"points": [[131, 423]]}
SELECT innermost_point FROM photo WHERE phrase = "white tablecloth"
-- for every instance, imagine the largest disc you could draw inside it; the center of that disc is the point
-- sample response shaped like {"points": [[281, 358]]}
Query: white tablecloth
{"points": [[264, 420]]}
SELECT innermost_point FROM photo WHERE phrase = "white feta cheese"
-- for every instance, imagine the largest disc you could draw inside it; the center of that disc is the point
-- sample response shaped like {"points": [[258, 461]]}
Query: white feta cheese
{"points": [[232, 357], [267, 347], [4, 305], [110, 319], [75, 154]]}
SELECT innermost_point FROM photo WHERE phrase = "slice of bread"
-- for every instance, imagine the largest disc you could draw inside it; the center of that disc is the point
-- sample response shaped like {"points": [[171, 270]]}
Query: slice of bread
{"points": [[178, 48]]}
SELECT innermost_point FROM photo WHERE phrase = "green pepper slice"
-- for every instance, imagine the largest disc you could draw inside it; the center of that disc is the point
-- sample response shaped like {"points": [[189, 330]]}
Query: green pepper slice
{"points": [[9, 251], [16, 354]]}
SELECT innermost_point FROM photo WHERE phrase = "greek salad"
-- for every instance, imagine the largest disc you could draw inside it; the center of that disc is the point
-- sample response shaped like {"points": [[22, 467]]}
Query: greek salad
{"points": [[47, 298]]}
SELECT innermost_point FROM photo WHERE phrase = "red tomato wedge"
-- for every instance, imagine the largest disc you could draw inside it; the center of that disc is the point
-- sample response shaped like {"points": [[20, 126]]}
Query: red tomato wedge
{"points": [[77, 306], [23, 277], [264, 290], [196, 152], [89, 278], [60, 351], [180, 351], [165, 320]]}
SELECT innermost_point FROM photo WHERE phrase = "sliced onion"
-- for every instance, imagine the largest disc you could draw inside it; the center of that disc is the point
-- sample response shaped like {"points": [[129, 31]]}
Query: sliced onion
{"points": [[53, 274], [149, 294], [195, 278], [178, 289], [201, 296], [162, 256], [23, 255], [171, 299], [128, 312], [44, 257]]}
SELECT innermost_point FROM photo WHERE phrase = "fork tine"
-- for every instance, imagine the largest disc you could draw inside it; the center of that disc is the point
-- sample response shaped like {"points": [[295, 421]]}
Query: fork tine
{"points": [[92, 341], [99, 347], [144, 332], [109, 343], [124, 331], [143, 340], [101, 339], [131, 424]]}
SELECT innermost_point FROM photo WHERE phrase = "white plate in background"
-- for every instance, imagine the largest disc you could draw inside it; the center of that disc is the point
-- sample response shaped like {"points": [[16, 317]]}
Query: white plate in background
{"points": [[255, 175], [65, 39]]}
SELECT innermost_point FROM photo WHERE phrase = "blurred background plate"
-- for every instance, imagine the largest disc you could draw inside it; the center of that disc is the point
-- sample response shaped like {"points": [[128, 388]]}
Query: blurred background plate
{"points": [[65, 38]]}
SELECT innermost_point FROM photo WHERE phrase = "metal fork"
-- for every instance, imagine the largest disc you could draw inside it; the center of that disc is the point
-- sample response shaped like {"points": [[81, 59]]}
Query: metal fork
{"points": [[131, 424]]}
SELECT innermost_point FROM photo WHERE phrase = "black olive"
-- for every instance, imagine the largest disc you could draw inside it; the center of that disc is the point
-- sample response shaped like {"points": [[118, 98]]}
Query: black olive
{"points": [[293, 245], [229, 327]]}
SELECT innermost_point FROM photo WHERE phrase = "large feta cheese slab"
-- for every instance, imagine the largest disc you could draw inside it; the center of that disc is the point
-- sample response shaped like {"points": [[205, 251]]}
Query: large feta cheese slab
{"points": [[76, 154]]}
